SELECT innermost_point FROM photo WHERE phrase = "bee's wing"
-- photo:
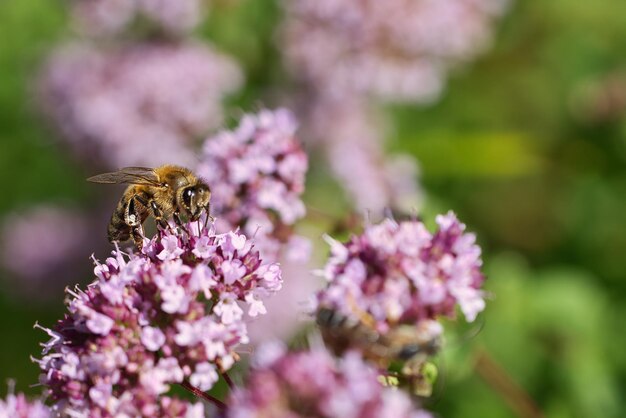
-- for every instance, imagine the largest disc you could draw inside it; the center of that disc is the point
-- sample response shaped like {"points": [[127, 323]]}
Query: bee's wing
{"points": [[128, 175]]}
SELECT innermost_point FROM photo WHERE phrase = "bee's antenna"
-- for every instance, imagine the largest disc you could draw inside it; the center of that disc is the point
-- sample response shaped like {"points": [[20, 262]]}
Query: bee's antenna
{"points": [[206, 219]]}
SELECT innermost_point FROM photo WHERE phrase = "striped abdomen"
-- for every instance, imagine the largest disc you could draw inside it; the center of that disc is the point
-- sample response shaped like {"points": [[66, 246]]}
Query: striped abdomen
{"points": [[118, 229]]}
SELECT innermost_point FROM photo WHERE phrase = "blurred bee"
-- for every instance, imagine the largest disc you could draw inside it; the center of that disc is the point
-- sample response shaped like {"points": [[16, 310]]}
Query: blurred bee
{"points": [[407, 347], [162, 192]]}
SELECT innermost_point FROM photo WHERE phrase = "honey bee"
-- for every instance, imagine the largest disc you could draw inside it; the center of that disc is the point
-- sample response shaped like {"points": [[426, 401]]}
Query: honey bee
{"points": [[405, 346], [162, 192]]}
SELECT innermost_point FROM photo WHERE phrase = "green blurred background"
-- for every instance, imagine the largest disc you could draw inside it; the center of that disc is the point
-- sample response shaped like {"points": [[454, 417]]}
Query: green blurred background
{"points": [[527, 145]]}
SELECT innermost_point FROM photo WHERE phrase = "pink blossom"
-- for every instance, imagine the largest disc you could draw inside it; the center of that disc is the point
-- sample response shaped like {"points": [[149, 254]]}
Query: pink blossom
{"points": [[108, 17], [257, 173], [119, 352], [398, 50], [17, 406], [399, 273], [312, 383], [114, 104], [204, 376]]}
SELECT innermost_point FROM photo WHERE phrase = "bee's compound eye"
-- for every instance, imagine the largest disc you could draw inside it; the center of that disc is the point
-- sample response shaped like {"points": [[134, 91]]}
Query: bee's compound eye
{"points": [[187, 195], [408, 351]]}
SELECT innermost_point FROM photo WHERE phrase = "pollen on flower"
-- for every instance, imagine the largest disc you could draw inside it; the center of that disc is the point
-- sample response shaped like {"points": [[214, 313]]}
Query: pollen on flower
{"points": [[150, 321]]}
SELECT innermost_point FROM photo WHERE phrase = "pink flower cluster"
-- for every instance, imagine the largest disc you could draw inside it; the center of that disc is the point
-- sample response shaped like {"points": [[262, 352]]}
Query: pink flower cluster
{"points": [[399, 273], [17, 406], [257, 174], [170, 314], [397, 50], [137, 105], [313, 384], [108, 17]]}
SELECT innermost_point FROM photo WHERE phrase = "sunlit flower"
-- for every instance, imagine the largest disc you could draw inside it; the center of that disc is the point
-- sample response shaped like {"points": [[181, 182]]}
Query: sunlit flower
{"points": [[148, 322], [138, 105], [257, 173], [312, 383], [400, 273]]}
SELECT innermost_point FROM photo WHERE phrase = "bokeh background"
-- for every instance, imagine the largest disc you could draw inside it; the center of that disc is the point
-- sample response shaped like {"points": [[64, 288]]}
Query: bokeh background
{"points": [[526, 142]]}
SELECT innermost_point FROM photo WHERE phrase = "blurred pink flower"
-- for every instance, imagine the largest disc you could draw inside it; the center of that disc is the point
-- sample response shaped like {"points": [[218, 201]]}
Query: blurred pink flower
{"points": [[312, 383], [108, 17], [143, 104], [17, 406], [38, 243], [396, 50], [287, 311]]}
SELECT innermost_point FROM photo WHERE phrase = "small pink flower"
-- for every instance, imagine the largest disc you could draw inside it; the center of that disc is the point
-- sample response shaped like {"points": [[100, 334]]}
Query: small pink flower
{"points": [[99, 324], [204, 377], [152, 338], [171, 250]]}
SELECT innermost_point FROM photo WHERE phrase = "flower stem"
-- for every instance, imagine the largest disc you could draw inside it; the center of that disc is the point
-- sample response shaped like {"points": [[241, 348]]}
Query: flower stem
{"points": [[518, 400], [197, 392], [228, 380]]}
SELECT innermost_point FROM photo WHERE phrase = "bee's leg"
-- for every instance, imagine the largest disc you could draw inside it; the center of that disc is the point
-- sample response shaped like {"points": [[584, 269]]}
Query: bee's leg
{"points": [[179, 222], [137, 233], [158, 216], [134, 217]]}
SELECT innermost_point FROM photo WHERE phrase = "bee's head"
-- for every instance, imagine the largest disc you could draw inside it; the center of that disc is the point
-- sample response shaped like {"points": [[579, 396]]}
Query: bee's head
{"points": [[410, 342], [195, 199]]}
